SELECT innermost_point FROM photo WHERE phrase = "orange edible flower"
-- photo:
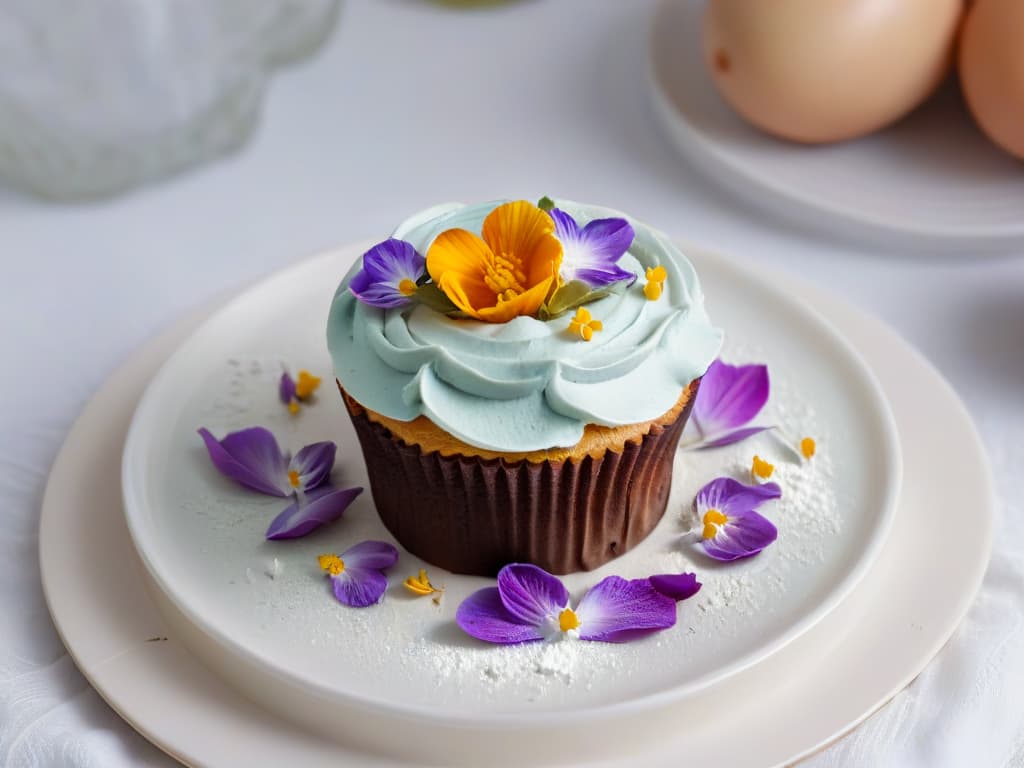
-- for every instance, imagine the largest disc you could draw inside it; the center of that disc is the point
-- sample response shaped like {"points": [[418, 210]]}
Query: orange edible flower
{"points": [[508, 272]]}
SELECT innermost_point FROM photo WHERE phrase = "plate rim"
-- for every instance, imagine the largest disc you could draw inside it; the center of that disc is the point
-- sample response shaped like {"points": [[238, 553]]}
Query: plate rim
{"points": [[77, 631], [133, 499]]}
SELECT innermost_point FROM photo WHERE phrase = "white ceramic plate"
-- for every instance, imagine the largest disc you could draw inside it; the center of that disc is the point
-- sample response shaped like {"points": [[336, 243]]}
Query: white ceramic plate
{"points": [[264, 607], [932, 180], [785, 707]]}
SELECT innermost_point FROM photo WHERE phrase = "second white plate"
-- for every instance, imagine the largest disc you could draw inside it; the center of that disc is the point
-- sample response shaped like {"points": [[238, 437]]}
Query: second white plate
{"points": [[931, 181]]}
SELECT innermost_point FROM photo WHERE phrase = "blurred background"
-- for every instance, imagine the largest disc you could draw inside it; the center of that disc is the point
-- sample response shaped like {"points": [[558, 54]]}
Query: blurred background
{"points": [[156, 157]]}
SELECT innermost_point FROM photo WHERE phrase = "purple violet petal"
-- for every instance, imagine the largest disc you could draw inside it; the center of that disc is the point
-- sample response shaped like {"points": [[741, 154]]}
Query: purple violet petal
{"points": [[359, 587], [393, 261], [566, 228], [484, 616], [383, 295], [319, 507], [744, 535], [384, 267], [375, 555], [598, 277], [616, 610], [608, 239], [286, 389], [729, 396], [732, 497], [677, 586], [313, 463], [531, 594], [250, 457], [589, 254], [717, 441]]}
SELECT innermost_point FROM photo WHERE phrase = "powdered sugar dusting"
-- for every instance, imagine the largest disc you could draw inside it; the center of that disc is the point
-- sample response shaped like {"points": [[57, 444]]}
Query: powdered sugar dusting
{"points": [[273, 593]]}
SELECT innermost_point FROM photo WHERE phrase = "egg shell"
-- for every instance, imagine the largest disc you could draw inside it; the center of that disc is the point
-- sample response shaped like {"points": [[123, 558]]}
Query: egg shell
{"points": [[815, 71], [991, 64]]}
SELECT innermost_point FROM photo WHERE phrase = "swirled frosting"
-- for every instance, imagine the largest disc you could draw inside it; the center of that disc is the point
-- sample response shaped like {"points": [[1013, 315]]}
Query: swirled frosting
{"points": [[527, 384]]}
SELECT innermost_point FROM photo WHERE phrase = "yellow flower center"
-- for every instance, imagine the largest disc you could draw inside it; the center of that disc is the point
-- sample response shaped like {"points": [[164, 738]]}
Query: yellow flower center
{"points": [[808, 447], [407, 287], [333, 564], [504, 275], [293, 478], [306, 385], [761, 468], [712, 520], [568, 619]]}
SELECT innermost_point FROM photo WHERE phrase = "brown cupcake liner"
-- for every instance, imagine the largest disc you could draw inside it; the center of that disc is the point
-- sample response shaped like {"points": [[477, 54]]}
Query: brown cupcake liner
{"points": [[472, 515]]}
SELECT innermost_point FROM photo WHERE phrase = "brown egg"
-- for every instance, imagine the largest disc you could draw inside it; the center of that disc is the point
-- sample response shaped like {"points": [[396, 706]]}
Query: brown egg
{"points": [[827, 70], [991, 62]]}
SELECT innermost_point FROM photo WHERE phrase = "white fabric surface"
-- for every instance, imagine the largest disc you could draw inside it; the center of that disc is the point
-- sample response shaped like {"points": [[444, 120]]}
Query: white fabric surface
{"points": [[408, 105]]}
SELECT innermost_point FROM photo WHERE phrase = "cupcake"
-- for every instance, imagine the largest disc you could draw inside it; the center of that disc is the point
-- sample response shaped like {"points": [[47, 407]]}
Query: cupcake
{"points": [[518, 376]]}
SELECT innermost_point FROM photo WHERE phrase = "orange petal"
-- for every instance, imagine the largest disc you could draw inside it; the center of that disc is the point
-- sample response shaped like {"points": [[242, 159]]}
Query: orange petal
{"points": [[526, 303], [458, 259], [454, 287], [525, 233]]}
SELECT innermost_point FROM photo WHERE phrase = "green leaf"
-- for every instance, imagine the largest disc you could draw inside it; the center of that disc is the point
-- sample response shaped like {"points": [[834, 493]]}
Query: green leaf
{"points": [[574, 294], [433, 297], [546, 204]]}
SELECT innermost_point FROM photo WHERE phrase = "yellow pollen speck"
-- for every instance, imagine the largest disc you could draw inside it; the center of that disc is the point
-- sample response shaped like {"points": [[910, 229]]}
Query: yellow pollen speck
{"points": [[761, 468], [656, 277], [713, 519], [407, 287], [293, 478], [420, 584], [568, 619], [333, 564], [306, 385], [293, 407], [583, 324], [808, 447]]}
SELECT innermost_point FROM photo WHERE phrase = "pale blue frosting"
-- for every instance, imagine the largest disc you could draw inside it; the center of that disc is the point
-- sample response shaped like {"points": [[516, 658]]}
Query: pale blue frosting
{"points": [[526, 385]]}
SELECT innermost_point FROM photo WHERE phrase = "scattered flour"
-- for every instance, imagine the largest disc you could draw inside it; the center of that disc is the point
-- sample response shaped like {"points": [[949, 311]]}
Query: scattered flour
{"points": [[277, 591]]}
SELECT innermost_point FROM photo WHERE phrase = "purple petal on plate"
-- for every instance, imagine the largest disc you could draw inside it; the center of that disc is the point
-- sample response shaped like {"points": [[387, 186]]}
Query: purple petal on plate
{"points": [[484, 616], [732, 497], [743, 535], [377, 555], [729, 396], [313, 463], [531, 594], [677, 586], [616, 610], [359, 587], [250, 457], [319, 507], [286, 389], [717, 441]]}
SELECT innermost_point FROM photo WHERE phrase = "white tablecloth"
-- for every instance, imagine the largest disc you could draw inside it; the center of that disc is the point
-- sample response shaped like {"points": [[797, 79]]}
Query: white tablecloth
{"points": [[410, 104]]}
